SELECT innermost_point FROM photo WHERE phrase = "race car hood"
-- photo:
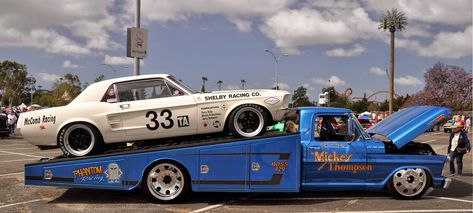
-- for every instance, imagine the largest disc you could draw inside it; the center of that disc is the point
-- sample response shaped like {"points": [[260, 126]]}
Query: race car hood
{"points": [[406, 124]]}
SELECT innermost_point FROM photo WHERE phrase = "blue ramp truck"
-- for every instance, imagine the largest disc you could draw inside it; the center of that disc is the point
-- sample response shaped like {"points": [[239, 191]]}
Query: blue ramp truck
{"points": [[321, 149]]}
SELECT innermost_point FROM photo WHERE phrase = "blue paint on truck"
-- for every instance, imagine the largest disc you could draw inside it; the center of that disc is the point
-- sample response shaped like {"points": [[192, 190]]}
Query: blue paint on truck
{"points": [[329, 151]]}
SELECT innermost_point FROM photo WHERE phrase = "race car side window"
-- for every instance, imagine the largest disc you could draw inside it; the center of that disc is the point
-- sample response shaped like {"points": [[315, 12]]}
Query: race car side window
{"points": [[110, 95], [143, 90]]}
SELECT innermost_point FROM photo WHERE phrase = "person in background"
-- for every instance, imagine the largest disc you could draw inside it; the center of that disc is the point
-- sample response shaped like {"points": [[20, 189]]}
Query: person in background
{"points": [[458, 146], [468, 124], [12, 121]]}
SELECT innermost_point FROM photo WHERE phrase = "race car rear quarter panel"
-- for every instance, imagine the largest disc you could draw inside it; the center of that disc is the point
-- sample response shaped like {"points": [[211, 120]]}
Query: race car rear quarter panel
{"points": [[229, 167], [385, 165]]}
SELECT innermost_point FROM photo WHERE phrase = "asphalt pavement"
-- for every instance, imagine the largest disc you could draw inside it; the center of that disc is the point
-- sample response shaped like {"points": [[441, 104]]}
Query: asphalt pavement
{"points": [[16, 197]]}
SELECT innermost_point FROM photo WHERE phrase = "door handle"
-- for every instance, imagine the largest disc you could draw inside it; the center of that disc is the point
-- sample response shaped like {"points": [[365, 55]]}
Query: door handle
{"points": [[124, 106]]}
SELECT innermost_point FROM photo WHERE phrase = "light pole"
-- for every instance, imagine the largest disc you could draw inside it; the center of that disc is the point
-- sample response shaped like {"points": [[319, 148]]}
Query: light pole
{"points": [[114, 69], [32, 88], [276, 59]]}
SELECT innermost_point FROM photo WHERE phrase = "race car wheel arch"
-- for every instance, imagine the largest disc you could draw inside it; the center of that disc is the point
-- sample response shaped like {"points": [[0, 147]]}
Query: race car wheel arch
{"points": [[410, 183], [166, 181], [79, 139], [260, 112]]}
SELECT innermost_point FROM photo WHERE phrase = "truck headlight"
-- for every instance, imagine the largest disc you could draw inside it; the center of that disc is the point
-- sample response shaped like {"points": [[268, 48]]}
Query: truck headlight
{"points": [[271, 101]]}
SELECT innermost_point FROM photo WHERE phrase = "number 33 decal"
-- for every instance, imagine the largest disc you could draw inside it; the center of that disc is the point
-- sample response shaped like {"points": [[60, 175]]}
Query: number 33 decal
{"points": [[154, 125]]}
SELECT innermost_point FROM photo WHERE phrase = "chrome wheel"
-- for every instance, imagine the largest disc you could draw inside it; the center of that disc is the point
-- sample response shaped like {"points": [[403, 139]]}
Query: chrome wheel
{"points": [[248, 122], [165, 181], [79, 140], [410, 182]]}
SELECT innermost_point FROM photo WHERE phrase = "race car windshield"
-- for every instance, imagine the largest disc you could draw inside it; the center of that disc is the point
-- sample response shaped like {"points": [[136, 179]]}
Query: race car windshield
{"points": [[179, 83]]}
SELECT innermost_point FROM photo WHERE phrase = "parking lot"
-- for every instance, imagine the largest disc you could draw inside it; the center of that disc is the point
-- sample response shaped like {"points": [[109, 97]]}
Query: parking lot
{"points": [[15, 152]]}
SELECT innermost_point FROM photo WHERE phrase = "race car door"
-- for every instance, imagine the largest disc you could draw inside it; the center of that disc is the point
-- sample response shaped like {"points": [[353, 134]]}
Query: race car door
{"points": [[155, 108]]}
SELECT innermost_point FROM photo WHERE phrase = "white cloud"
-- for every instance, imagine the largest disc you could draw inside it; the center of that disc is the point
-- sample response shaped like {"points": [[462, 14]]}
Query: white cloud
{"points": [[377, 71], [408, 81], [242, 25], [450, 45], [335, 81], [291, 29], [48, 77], [60, 27], [117, 60], [69, 64], [452, 12], [356, 50], [416, 30]]}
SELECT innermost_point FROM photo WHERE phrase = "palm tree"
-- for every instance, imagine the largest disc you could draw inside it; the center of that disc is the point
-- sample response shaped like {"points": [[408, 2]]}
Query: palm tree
{"points": [[393, 20], [219, 82], [243, 82], [204, 79]]}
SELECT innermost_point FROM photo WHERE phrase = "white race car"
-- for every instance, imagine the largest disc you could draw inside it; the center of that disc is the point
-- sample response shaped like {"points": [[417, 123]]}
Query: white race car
{"points": [[149, 107]]}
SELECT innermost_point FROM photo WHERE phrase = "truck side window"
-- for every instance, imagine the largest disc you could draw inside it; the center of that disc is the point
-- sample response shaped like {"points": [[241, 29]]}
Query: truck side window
{"points": [[331, 128]]}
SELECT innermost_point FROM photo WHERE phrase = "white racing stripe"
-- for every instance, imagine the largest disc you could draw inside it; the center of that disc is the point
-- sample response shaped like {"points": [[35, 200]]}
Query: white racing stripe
{"points": [[27, 155], [11, 174], [20, 203]]}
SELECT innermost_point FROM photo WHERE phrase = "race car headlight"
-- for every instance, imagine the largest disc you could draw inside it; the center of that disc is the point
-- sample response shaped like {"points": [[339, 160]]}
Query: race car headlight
{"points": [[271, 101]]}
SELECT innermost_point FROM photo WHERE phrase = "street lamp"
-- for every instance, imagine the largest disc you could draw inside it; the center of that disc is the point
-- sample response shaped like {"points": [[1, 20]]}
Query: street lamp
{"points": [[32, 82], [114, 69], [276, 59]]}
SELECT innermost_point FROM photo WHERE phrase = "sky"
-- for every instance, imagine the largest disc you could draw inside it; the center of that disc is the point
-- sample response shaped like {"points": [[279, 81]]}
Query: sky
{"points": [[225, 40]]}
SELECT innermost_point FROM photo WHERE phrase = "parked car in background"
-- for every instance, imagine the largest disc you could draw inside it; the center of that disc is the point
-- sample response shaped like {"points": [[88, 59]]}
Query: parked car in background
{"points": [[447, 127], [4, 131]]}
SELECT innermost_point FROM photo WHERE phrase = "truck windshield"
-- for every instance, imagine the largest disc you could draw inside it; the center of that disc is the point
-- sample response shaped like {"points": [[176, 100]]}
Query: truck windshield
{"points": [[179, 83]]}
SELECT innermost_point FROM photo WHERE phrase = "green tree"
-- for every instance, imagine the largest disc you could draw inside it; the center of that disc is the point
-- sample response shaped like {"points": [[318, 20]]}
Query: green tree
{"points": [[99, 78], [361, 105], [300, 97], [14, 83], [66, 89], [243, 82], [392, 20]]}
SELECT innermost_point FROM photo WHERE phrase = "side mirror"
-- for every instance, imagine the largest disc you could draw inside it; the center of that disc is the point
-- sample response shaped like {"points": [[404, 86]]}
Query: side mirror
{"points": [[351, 130]]}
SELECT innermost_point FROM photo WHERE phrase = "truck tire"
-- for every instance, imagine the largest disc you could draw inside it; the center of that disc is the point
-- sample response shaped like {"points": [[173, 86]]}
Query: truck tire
{"points": [[247, 121], [409, 183], [79, 139], [166, 183]]}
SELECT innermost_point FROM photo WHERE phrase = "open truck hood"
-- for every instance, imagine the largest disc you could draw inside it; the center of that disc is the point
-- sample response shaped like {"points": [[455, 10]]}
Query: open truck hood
{"points": [[406, 124]]}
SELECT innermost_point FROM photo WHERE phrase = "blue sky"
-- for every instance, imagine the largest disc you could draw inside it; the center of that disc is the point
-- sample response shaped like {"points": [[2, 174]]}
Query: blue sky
{"points": [[224, 40]]}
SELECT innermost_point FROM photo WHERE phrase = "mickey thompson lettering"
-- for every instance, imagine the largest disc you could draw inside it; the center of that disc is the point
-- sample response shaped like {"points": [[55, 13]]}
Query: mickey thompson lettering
{"points": [[332, 160]]}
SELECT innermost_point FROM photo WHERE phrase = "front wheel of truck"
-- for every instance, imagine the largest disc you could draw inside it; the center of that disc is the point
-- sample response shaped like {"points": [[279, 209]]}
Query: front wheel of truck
{"points": [[166, 182], [409, 183]]}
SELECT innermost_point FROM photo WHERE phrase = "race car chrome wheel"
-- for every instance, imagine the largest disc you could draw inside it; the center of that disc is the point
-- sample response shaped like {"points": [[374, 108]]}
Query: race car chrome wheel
{"points": [[248, 121], [78, 140], [410, 183], [166, 182]]}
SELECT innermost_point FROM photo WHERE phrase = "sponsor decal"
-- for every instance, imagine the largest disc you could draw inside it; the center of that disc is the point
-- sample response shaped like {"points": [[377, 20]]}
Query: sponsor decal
{"points": [[42, 127], [183, 121], [216, 124], [114, 173], [205, 124], [210, 113], [40, 119], [338, 162], [232, 96], [224, 106], [90, 174], [279, 166]]}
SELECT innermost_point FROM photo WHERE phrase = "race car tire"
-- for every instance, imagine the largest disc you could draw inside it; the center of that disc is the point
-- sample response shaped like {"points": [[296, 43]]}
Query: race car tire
{"points": [[79, 139], [166, 182], [248, 121], [409, 183]]}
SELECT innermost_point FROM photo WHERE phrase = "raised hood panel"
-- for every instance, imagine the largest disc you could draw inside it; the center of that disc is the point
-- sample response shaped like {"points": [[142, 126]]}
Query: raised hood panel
{"points": [[406, 124]]}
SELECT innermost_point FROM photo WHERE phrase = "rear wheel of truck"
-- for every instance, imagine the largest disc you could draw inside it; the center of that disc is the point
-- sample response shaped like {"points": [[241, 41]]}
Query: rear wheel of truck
{"points": [[248, 121], [166, 183], [409, 183], [79, 139]]}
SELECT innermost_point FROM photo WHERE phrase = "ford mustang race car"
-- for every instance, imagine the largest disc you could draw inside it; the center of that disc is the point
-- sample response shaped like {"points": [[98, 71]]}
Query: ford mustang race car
{"points": [[149, 107]]}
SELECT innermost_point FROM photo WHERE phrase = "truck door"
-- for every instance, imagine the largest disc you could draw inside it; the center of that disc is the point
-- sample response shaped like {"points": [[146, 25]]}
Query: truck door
{"points": [[333, 158]]}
